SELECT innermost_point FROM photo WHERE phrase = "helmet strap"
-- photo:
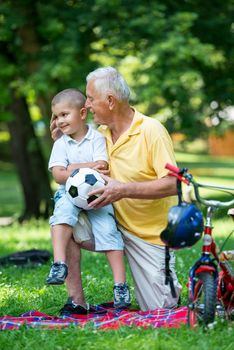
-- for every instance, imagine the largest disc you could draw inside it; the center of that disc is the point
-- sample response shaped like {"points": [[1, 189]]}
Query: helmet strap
{"points": [[169, 279], [168, 276], [179, 191]]}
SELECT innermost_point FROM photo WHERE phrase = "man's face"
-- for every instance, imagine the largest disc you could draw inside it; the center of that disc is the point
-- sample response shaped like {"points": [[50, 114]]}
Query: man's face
{"points": [[97, 104]]}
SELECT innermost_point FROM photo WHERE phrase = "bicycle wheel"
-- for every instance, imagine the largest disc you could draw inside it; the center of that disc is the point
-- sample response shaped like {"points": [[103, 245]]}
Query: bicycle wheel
{"points": [[202, 307]]}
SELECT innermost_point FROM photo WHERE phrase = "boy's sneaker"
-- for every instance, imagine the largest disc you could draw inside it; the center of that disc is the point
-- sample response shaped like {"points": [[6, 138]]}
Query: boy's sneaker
{"points": [[58, 273], [122, 299]]}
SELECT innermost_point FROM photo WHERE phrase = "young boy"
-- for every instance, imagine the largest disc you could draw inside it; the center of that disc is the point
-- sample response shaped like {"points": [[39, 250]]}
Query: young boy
{"points": [[81, 146]]}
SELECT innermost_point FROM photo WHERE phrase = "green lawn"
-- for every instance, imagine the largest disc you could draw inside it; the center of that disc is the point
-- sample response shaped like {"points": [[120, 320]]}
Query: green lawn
{"points": [[23, 289]]}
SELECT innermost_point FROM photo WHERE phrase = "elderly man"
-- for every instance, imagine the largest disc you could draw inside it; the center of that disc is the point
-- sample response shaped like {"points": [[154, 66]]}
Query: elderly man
{"points": [[139, 188]]}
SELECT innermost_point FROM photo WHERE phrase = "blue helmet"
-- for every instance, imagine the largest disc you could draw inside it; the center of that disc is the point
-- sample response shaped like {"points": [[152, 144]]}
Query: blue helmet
{"points": [[185, 226]]}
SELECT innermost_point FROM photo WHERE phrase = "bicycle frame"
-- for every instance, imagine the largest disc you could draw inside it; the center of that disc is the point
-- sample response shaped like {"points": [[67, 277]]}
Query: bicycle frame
{"points": [[210, 263]]}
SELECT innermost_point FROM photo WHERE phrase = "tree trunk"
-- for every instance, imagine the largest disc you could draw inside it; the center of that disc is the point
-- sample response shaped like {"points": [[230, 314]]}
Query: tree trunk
{"points": [[29, 162]]}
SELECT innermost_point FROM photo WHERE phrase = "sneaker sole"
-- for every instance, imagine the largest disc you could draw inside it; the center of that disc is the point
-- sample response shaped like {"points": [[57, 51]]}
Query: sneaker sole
{"points": [[55, 283], [122, 306]]}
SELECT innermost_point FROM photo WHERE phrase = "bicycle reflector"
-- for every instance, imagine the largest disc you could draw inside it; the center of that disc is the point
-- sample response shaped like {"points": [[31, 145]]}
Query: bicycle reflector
{"points": [[185, 226]]}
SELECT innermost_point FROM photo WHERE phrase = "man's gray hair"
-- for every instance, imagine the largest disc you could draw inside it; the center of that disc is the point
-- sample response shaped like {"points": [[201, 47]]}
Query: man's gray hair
{"points": [[108, 79]]}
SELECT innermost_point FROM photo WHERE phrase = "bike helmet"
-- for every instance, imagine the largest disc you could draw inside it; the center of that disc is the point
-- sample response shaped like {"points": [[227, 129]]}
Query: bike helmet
{"points": [[185, 226]]}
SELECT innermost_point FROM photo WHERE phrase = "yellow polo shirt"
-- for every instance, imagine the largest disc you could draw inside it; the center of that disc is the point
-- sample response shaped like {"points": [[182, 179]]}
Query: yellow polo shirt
{"points": [[140, 154]]}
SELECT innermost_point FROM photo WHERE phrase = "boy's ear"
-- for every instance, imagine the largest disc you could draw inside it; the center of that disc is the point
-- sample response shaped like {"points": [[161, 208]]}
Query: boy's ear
{"points": [[83, 113]]}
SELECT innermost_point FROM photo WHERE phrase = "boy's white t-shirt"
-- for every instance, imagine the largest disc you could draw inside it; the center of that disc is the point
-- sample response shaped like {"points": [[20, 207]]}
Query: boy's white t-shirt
{"points": [[67, 151]]}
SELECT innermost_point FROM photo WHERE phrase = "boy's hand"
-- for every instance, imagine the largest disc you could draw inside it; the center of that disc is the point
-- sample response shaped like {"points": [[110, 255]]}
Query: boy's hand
{"points": [[101, 168], [56, 133]]}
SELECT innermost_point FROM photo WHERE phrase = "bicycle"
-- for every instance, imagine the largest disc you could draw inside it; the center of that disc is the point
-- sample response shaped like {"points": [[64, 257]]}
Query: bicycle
{"points": [[211, 278]]}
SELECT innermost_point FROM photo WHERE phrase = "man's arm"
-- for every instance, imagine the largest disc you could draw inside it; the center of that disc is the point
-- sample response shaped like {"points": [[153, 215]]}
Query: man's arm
{"points": [[115, 190]]}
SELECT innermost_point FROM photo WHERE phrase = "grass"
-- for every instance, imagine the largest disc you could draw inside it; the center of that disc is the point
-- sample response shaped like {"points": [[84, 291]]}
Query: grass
{"points": [[11, 197], [23, 288]]}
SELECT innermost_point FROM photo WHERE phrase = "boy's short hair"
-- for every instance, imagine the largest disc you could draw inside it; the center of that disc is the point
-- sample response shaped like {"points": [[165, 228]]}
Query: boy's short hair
{"points": [[72, 96]]}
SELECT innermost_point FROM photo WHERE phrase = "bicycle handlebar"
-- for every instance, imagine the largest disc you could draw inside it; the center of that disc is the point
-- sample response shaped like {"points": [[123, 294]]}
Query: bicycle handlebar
{"points": [[183, 175]]}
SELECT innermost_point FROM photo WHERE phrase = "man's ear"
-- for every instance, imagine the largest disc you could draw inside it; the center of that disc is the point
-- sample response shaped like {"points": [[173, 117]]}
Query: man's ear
{"points": [[83, 113], [111, 101]]}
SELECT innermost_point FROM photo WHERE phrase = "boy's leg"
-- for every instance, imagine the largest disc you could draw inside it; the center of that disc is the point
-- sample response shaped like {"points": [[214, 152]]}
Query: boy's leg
{"points": [[116, 261], [61, 235], [62, 221], [122, 298], [109, 240]]}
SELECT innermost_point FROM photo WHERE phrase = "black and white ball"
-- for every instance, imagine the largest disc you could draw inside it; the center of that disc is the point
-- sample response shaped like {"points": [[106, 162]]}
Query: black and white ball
{"points": [[80, 183]]}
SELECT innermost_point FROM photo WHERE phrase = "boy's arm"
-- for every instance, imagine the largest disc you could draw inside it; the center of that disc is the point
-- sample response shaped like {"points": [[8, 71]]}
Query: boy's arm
{"points": [[99, 164], [61, 174]]}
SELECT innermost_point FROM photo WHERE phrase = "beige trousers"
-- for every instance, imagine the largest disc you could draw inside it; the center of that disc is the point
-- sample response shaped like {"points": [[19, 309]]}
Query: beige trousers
{"points": [[147, 264]]}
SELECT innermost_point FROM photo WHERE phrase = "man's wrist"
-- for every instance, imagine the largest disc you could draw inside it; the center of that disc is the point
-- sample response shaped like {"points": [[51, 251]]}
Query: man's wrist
{"points": [[124, 190]]}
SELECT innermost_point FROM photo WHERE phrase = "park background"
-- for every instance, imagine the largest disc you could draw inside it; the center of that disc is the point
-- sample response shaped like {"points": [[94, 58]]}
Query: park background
{"points": [[178, 59]]}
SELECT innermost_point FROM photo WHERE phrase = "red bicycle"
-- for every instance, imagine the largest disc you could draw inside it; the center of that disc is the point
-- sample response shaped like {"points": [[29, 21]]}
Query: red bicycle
{"points": [[211, 278]]}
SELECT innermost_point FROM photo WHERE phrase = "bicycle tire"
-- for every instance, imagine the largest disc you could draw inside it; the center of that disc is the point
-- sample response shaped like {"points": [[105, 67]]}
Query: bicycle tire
{"points": [[204, 301]]}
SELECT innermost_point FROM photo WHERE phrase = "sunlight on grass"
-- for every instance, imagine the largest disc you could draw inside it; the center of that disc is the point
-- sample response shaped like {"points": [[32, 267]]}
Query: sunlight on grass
{"points": [[221, 169], [34, 234]]}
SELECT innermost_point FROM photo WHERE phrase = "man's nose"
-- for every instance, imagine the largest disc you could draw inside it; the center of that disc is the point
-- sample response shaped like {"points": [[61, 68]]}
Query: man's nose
{"points": [[87, 104]]}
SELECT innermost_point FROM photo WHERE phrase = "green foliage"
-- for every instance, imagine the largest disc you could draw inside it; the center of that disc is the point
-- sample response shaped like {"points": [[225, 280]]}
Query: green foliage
{"points": [[177, 57]]}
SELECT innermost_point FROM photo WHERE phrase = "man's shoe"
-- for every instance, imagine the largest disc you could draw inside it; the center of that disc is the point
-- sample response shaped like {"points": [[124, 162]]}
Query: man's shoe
{"points": [[70, 308], [122, 299], [58, 273]]}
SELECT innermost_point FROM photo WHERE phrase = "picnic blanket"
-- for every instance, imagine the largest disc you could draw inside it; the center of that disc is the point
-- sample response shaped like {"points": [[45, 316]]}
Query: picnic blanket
{"points": [[112, 319]]}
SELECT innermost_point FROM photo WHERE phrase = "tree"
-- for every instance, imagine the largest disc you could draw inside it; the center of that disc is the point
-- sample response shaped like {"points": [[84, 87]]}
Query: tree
{"points": [[177, 55], [176, 58], [40, 45], [25, 147]]}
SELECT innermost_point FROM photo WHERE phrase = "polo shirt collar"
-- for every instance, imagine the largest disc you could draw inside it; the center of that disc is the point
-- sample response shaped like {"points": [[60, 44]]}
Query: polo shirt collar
{"points": [[136, 123], [133, 129], [89, 135]]}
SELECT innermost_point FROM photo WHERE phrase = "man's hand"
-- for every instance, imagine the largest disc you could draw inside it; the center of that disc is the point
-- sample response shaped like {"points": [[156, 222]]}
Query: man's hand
{"points": [[112, 192], [56, 133]]}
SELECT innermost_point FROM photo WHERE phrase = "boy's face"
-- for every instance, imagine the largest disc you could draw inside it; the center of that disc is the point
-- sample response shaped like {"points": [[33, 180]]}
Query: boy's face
{"points": [[69, 119]]}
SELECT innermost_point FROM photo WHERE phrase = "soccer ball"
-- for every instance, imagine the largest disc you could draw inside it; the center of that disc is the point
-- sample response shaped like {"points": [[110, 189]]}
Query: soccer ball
{"points": [[80, 183]]}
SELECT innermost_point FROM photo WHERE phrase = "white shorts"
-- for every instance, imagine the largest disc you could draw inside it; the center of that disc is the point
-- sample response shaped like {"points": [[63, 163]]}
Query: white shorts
{"points": [[104, 228]]}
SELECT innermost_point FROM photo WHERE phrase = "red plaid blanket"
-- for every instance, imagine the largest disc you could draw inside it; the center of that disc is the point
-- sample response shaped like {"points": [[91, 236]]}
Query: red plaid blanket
{"points": [[112, 319]]}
